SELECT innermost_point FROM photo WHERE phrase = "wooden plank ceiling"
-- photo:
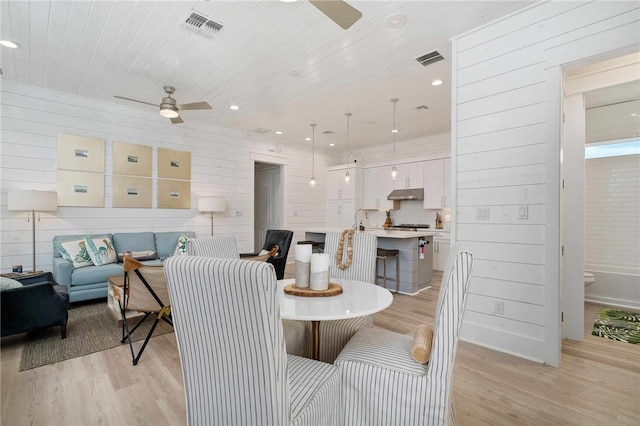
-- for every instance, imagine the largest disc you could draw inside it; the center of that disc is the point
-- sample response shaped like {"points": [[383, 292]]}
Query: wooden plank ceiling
{"points": [[285, 64]]}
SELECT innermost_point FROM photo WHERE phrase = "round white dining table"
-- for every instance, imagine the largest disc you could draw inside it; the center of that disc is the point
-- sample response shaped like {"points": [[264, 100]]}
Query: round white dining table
{"points": [[357, 299]]}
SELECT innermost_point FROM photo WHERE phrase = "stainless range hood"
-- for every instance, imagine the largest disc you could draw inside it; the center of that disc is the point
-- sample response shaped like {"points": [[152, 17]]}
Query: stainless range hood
{"points": [[406, 194]]}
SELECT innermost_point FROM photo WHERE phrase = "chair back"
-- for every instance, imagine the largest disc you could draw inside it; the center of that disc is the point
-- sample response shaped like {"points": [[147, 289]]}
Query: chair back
{"points": [[448, 321], [227, 324], [218, 246], [363, 265], [145, 286], [280, 237]]}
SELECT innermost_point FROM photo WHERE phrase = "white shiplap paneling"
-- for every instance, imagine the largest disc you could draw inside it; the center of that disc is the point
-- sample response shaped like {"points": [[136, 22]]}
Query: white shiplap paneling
{"points": [[32, 117], [491, 127]]}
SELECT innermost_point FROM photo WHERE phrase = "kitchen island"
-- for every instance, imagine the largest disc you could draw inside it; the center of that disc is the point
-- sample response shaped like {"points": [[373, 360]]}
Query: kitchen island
{"points": [[415, 270]]}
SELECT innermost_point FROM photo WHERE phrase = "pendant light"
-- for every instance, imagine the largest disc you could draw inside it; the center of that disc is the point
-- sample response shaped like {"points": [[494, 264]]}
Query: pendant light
{"points": [[394, 171], [347, 178], [312, 181]]}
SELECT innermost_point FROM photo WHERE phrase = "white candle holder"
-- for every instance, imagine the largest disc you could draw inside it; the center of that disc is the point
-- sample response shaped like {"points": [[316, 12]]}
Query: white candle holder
{"points": [[303, 265], [319, 272]]}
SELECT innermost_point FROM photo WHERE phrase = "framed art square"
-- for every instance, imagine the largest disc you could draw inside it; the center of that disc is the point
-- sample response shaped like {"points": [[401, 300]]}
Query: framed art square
{"points": [[174, 194], [80, 189], [131, 159], [131, 191], [174, 164], [80, 153]]}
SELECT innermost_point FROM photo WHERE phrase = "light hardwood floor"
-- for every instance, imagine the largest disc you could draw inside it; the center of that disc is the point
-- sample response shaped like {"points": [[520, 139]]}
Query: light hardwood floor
{"points": [[597, 384]]}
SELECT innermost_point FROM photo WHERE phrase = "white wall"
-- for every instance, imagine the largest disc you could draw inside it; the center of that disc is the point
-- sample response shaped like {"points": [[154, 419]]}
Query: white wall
{"points": [[505, 154], [221, 165], [612, 229]]}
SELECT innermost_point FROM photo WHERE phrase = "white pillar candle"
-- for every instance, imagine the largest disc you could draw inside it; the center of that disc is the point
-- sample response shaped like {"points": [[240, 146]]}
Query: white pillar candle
{"points": [[303, 263], [303, 252], [319, 271]]}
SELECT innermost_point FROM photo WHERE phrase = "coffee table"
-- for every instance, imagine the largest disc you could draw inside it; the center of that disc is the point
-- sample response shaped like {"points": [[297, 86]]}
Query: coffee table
{"points": [[358, 299]]}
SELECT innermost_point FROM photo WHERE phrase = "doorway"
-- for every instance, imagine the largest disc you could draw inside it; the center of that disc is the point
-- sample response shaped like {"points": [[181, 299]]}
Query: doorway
{"points": [[599, 77], [268, 198]]}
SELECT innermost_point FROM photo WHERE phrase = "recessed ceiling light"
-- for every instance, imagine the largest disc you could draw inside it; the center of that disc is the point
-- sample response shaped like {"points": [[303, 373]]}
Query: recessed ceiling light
{"points": [[278, 132], [234, 107], [10, 44], [394, 131], [396, 21], [633, 114], [307, 139], [436, 82], [332, 144], [288, 1]]}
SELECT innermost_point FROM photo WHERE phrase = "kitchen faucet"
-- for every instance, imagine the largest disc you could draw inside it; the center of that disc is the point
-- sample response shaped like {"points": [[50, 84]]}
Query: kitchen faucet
{"points": [[355, 218]]}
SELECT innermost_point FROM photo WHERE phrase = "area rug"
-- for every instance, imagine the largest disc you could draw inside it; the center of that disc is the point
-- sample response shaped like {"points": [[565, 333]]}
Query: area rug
{"points": [[91, 328], [618, 325]]}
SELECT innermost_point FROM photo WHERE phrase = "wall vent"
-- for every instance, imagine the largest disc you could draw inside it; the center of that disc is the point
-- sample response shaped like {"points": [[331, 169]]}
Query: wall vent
{"points": [[327, 132], [420, 107], [429, 58], [260, 130], [201, 25]]}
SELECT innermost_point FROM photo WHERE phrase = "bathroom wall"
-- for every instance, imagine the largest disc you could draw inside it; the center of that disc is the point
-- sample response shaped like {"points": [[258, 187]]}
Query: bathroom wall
{"points": [[612, 229]]}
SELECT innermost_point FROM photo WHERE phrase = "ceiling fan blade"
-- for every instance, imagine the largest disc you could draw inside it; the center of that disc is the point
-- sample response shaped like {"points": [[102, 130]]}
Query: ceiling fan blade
{"points": [[338, 11], [176, 120], [134, 100], [195, 105]]}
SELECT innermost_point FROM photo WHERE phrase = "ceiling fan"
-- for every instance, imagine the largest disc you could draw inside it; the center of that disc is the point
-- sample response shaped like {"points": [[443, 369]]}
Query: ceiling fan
{"points": [[168, 106], [338, 11]]}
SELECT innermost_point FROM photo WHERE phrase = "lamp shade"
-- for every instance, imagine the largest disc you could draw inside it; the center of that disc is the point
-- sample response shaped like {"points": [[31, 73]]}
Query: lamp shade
{"points": [[41, 201], [211, 204]]}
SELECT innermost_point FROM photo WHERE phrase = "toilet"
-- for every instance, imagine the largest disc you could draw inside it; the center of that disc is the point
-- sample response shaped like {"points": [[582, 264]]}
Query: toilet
{"points": [[589, 279]]}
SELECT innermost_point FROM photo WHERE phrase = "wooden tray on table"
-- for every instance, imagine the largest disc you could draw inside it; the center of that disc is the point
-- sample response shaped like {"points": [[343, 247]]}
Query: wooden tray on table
{"points": [[333, 290]]}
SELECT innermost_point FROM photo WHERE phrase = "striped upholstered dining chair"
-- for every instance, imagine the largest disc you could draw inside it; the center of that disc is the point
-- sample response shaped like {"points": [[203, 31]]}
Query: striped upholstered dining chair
{"points": [[235, 367], [335, 334], [296, 334], [381, 383]]}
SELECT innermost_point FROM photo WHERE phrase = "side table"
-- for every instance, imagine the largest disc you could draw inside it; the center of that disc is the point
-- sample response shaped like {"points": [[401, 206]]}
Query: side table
{"points": [[30, 277], [114, 307]]}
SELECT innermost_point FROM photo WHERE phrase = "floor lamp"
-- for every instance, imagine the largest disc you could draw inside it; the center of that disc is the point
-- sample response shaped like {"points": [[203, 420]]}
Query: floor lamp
{"points": [[35, 201], [211, 205]]}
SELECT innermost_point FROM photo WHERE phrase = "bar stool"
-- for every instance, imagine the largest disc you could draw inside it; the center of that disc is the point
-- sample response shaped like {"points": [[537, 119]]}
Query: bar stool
{"points": [[384, 254]]}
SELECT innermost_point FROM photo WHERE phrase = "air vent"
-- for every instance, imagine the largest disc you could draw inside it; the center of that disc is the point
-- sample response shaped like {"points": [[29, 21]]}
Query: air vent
{"points": [[420, 107], [201, 25], [260, 130], [327, 132], [430, 58]]}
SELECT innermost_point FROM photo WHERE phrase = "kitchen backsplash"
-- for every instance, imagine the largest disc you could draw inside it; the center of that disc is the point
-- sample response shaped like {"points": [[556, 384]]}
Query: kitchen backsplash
{"points": [[409, 212]]}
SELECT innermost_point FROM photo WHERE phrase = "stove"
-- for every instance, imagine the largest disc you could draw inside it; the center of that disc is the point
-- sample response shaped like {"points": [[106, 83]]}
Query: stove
{"points": [[410, 226]]}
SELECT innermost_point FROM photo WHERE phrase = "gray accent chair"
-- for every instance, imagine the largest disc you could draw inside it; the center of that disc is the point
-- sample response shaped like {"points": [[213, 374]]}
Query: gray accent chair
{"points": [[235, 367], [224, 246], [407, 393]]}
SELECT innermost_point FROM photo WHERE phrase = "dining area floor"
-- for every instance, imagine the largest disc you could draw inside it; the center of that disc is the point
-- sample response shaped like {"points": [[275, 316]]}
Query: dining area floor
{"points": [[598, 381]]}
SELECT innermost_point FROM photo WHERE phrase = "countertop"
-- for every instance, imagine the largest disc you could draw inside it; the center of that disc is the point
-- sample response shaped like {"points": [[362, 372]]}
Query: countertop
{"points": [[383, 233]]}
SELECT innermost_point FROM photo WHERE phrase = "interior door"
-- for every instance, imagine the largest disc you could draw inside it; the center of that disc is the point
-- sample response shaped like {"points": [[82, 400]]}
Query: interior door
{"points": [[268, 201]]}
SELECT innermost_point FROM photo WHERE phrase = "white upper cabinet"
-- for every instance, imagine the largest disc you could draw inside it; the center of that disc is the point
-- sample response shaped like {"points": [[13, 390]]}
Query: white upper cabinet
{"points": [[338, 188], [410, 175], [343, 198], [437, 183], [377, 186]]}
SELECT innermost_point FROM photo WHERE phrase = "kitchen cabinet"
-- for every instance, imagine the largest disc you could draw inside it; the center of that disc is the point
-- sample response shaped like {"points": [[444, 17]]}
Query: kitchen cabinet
{"points": [[377, 186], [410, 175], [340, 213], [343, 198], [437, 183], [441, 249]]}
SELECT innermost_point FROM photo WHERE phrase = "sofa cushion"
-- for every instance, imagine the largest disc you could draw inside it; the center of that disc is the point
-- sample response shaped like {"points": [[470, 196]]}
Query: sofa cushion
{"points": [[101, 250], [74, 251], [134, 241], [95, 274], [166, 242], [61, 238]]}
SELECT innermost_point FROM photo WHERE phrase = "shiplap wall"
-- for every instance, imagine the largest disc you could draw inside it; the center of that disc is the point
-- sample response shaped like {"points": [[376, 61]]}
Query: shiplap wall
{"points": [[612, 229], [500, 132], [31, 117]]}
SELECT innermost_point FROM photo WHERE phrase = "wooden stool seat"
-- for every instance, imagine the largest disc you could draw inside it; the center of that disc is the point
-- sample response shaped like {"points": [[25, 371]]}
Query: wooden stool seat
{"points": [[383, 255]]}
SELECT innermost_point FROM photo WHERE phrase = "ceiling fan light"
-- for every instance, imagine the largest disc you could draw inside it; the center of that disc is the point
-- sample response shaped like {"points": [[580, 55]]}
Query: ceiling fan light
{"points": [[168, 111]]}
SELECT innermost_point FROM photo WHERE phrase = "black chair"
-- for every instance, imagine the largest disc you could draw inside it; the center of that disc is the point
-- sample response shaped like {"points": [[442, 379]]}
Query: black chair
{"points": [[39, 303], [282, 238]]}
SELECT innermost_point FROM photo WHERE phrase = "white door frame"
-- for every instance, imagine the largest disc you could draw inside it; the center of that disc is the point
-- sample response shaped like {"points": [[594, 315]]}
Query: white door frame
{"points": [[256, 157]]}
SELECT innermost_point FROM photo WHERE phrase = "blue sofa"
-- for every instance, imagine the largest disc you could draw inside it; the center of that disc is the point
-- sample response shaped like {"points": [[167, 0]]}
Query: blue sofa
{"points": [[90, 282]]}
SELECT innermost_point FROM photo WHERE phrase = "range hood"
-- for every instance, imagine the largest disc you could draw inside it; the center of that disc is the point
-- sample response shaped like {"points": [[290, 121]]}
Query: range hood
{"points": [[406, 194]]}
